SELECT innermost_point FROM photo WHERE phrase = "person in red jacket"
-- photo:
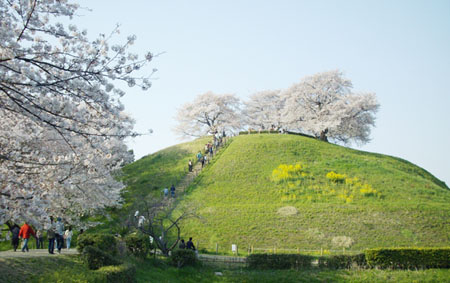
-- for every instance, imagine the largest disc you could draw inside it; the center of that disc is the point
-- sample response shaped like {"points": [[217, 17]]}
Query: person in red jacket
{"points": [[24, 233]]}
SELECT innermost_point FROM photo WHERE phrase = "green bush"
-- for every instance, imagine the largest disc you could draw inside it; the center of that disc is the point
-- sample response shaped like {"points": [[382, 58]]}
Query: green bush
{"points": [[138, 244], [120, 273], [279, 261], [343, 261], [96, 258], [409, 258], [180, 258], [105, 242]]}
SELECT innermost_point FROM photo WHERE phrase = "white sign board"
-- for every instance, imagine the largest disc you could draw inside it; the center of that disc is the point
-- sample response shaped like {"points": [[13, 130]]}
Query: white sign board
{"points": [[234, 248]]}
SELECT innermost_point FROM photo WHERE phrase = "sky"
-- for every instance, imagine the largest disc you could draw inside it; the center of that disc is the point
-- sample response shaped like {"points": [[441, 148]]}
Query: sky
{"points": [[398, 49]]}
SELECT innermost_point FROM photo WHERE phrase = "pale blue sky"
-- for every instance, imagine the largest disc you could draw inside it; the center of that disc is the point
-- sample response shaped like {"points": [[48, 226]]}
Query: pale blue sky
{"points": [[398, 49]]}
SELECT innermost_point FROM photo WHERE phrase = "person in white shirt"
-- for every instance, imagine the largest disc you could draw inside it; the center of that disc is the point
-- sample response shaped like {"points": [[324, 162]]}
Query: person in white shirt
{"points": [[68, 236]]}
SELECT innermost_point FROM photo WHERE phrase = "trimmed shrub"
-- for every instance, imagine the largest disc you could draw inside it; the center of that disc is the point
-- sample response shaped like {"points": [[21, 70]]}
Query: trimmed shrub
{"points": [[343, 261], [180, 258], [120, 273], [279, 261], [105, 242], [138, 244], [96, 258], [409, 258]]}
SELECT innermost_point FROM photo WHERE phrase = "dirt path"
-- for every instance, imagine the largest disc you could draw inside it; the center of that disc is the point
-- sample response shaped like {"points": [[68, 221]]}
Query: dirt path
{"points": [[36, 253]]}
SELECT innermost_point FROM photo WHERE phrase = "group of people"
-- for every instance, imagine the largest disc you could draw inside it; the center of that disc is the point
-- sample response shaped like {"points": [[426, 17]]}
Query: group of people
{"points": [[189, 245], [172, 191], [55, 232]]}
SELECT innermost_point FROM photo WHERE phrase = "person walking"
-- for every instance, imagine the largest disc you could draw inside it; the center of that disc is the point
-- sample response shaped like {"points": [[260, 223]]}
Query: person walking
{"points": [[24, 233], [51, 239], [190, 165], [190, 245], [39, 240], [203, 161], [199, 156], [59, 233], [68, 236], [166, 192], [15, 236], [172, 191]]}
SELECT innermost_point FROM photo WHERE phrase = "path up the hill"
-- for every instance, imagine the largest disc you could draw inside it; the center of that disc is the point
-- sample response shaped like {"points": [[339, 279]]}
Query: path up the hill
{"points": [[190, 176]]}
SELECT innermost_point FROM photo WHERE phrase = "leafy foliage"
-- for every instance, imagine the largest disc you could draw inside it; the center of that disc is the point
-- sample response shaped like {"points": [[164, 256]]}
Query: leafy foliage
{"points": [[138, 244], [104, 242], [96, 258], [279, 261], [343, 261], [408, 258], [183, 257]]}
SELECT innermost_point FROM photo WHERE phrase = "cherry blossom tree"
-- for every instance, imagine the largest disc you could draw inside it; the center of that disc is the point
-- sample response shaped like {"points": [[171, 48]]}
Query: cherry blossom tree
{"points": [[323, 105], [263, 110], [208, 113], [62, 125]]}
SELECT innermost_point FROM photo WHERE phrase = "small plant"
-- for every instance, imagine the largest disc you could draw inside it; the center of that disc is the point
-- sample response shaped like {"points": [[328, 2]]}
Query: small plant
{"points": [[180, 258], [335, 177]]}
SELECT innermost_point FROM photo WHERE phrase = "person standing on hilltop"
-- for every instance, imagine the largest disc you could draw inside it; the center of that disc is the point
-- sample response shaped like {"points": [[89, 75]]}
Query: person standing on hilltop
{"points": [[199, 156], [24, 233]]}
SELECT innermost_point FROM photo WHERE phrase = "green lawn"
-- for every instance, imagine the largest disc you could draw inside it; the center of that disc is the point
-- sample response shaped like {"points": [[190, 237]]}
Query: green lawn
{"points": [[71, 269], [393, 203]]}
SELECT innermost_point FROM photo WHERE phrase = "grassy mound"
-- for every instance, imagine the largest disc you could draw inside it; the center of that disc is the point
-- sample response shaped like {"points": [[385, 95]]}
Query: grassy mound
{"points": [[342, 197]]}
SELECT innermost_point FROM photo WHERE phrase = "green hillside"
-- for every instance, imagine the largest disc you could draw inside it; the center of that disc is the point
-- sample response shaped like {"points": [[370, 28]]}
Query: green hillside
{"points": [[370, 200]]}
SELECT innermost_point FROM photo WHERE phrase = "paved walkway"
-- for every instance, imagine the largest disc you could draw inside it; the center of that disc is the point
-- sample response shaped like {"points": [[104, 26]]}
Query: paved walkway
{"points": [[36, 253]]}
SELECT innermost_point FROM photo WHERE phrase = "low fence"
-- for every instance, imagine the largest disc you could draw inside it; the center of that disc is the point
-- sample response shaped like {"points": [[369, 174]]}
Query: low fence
{"points": [[240, 250]]}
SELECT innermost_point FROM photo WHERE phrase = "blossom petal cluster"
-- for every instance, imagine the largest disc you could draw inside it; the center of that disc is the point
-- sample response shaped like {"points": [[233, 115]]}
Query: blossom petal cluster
{"points": [[62, 125]]}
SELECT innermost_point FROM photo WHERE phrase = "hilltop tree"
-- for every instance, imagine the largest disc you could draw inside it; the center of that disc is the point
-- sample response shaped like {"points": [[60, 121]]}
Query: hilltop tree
{"points": [[208, 113], [323, 105], [62, 126], [263, 110]]}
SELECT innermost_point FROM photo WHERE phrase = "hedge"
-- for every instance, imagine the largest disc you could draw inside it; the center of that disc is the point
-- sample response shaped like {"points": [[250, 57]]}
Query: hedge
{"points": [[138, 245], [180, 258], [343, 261], [105, 242], [96, 258], [279, 261], [409, 258], [120, 273]]}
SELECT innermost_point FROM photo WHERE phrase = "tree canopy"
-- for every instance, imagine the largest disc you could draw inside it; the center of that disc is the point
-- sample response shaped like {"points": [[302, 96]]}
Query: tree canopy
{"points": [[62, 125]]}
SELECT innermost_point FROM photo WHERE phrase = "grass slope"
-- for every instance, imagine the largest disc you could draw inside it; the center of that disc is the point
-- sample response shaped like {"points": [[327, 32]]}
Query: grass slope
{"points": [[147, 177], [391, 203]]}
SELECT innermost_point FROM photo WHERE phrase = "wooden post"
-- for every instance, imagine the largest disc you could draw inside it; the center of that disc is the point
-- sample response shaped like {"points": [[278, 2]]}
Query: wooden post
{"points": [[217, 248], [252, 249], [321, 251], [197, 245], [237, 250]]}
